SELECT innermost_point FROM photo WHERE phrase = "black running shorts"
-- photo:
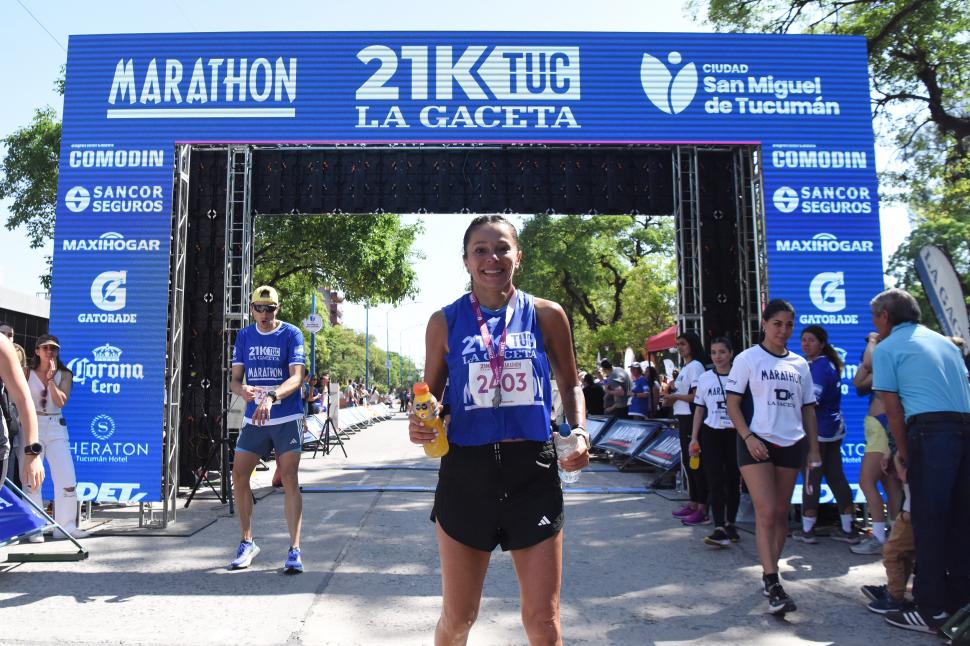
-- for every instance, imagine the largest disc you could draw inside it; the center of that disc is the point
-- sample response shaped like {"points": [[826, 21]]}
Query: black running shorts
{"points": [[788, 457], [505, 494]]}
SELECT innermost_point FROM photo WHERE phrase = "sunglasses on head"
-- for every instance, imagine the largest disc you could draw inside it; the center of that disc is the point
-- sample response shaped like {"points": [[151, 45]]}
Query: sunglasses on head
{"points": [[262, 309], [49, 348]]}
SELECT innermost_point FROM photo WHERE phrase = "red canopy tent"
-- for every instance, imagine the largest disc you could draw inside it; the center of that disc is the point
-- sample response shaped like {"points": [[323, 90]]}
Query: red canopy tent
{"points": [[663, 341]]}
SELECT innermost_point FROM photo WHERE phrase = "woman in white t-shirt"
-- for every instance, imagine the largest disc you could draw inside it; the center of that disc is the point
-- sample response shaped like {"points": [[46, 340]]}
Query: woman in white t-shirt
{"points": [[774, 436], [715, 440], [681, 396]]}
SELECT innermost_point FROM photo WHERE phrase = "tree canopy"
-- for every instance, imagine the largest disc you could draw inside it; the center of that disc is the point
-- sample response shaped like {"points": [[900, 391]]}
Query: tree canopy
{"points": [[614, 276]]}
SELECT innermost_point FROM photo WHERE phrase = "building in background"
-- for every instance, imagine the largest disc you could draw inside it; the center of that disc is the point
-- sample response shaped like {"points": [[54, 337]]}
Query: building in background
{"points": [[28, 316]]}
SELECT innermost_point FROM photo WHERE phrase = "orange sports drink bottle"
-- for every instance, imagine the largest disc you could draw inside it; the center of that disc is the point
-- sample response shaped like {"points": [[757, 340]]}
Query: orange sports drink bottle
{"points": [[424, 408], [695, 461]]}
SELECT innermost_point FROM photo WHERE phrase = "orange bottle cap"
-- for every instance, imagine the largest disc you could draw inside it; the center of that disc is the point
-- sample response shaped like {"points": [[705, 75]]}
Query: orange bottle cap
{"points": [[421, 388]]}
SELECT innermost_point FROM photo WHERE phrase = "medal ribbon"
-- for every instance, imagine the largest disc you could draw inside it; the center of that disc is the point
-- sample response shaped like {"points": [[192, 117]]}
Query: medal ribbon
{"points": [[496, 359]]}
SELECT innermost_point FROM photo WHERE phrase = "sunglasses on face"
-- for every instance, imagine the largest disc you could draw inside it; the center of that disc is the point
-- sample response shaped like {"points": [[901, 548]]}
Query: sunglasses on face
{"points": [[263, 309]]}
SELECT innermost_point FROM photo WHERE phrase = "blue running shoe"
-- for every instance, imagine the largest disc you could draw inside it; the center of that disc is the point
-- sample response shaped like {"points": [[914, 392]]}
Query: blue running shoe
{"points": [[294, 563], [244, 555]]}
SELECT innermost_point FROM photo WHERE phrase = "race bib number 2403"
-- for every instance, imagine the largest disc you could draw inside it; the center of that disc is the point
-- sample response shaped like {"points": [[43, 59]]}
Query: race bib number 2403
{"points": [[517, 384]]}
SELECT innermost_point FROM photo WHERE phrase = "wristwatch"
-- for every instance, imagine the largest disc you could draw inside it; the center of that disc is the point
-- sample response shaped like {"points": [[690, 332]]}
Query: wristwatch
{"points": [[33, 449], [272, 395]]}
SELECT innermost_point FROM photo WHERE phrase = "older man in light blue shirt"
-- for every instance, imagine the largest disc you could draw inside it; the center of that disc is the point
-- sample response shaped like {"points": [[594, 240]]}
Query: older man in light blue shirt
{"points": [[921, 378]]}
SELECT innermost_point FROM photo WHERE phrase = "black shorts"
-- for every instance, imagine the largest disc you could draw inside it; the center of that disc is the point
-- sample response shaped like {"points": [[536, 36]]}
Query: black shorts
{"points": [[505, 494], [788, 457]]}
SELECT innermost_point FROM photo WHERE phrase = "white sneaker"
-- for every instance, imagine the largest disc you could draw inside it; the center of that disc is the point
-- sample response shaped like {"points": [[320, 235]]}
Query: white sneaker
{"points": [[75, 532], [33, 538]]}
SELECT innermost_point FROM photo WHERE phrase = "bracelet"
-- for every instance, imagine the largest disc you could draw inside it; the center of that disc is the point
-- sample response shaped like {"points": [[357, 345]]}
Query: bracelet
{"points": [[745, 438]]}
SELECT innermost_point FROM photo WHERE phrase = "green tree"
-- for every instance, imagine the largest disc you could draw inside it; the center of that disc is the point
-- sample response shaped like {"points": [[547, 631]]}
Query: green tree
{"points": [[919, 60], [613, 275]]}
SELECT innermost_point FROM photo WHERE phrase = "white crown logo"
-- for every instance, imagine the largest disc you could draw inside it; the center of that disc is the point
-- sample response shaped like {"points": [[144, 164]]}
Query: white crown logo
{"points": [[107, 353]]}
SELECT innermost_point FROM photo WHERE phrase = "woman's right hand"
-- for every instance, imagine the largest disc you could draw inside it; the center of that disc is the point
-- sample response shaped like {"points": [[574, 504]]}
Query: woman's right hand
{"points": [[418, 431], [33, 475], [695, 448], [756, 448]]}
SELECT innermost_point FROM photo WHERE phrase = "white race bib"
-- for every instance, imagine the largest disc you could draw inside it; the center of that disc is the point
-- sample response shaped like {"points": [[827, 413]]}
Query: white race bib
{"points": [[260, 392], [518, 384]]}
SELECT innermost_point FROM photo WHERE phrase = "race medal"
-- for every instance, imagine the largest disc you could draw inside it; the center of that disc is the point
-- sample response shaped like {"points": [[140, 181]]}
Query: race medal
{"points": [[497, 397], [496, 359]]}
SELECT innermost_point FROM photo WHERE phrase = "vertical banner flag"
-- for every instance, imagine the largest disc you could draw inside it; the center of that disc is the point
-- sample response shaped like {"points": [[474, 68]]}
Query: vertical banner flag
{"points": [[943, 288]]}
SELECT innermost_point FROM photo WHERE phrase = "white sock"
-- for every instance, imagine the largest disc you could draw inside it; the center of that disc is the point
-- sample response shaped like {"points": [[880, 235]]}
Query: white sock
{"points": [[879, 530], [808, 522], [846, 522]]}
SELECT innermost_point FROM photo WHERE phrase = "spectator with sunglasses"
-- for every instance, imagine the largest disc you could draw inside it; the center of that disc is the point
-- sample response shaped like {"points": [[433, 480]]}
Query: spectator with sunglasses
{"points": [[49, 381], [12, 378]]}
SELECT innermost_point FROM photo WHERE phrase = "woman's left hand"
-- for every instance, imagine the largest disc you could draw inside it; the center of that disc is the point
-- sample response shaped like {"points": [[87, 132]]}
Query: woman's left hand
{"points": [[578, 459]]}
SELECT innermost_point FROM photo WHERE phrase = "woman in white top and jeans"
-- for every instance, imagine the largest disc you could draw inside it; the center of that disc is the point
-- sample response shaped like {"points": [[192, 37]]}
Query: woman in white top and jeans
{"points": [[774, 437], [49, 382]]}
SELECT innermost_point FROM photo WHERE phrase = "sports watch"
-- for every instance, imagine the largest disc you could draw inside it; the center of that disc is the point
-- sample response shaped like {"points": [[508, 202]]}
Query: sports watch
{"points": [[272, 395], [33, 449]]}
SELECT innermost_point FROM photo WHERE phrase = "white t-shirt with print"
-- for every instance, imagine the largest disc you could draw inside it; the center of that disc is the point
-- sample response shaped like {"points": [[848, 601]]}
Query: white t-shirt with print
{"points": [[780, 387], [712, 398], [686, 379]]}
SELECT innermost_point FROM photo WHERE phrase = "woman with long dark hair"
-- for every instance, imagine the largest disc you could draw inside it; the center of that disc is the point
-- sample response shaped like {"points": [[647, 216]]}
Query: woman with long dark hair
{"points": [[715, 441], [774, 437], [50, 381], [498, 484], [682, 397], [826, 366]]}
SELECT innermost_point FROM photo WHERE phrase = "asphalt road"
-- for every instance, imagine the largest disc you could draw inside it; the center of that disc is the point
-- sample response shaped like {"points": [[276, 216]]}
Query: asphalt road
{"points": [[632, 574]]}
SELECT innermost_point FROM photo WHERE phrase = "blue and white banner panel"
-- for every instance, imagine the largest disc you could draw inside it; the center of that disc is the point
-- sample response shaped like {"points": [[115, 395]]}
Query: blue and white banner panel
{"points": [[130, 98]]}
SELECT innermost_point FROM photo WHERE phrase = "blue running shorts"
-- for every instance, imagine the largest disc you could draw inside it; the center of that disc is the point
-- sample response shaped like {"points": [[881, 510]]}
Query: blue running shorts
{"points": [[284, 437]]}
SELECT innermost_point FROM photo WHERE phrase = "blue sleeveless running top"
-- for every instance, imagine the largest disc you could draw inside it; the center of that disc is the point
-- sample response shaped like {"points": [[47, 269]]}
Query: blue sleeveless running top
{"points": [[526, 389]]}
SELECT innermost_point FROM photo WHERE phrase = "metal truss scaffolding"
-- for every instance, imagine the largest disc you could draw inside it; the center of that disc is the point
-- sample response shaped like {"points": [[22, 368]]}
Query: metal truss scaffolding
{"points": [[688, 224]]}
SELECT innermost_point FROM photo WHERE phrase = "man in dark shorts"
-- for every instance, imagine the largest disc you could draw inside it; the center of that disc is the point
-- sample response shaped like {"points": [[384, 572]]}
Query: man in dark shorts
{"points": [[269, 356]]}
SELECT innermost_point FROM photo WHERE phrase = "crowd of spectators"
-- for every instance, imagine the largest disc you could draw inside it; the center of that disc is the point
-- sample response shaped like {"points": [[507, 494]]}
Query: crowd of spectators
{"points": [[917, 432]]}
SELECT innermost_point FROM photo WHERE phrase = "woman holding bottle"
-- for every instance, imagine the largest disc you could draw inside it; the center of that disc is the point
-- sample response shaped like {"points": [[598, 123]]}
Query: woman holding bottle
{"points": [[497, 347]]}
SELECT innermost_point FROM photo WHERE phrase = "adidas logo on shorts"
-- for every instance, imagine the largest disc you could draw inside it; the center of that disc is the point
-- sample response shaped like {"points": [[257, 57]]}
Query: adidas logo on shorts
{"points": [[544, 521], [293, 441]]}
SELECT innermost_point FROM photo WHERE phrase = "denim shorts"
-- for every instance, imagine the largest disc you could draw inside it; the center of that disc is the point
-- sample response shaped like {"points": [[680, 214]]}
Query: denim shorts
{"points": [[284, 437]]}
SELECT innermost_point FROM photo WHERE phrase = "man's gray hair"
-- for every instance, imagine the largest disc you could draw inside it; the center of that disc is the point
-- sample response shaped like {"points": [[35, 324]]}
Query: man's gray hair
{"points": [[898, 304]]}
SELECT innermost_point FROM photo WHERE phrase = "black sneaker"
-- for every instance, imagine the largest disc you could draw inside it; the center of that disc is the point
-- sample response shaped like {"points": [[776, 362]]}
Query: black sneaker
{"points": [[778, 601], [875, 592], [887, 604], [852, 537], [916, 619], [765, 586], [718, 538], [732, 533]]}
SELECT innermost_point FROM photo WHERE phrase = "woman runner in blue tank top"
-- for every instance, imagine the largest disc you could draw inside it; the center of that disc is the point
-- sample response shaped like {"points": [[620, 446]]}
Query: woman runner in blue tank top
{"points": [[498, 484]]}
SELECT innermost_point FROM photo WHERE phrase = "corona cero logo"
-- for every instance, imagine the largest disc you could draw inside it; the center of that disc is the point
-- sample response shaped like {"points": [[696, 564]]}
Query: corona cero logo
{"points": [[671, 92]]}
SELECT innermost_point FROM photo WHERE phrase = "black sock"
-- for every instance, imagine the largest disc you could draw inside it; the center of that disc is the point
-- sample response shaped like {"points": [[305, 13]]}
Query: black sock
{"points": [[770, 579]]}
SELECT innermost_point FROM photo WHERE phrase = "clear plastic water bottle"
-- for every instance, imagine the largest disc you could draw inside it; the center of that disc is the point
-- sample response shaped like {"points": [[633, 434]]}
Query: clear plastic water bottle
{"points": [[566, 445]]}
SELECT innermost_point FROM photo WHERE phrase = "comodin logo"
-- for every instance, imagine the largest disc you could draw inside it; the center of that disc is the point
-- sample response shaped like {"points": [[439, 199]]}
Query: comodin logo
{"points": [[827, 291], [671, 93]]}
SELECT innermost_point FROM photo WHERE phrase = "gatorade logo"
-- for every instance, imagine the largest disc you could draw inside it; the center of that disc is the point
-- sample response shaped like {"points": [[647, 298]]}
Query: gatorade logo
{"points": [[827, 291], [671, 93]]}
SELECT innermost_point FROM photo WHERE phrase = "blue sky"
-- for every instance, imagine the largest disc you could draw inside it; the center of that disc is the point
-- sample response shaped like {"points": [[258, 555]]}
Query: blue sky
{"points": [[31, 58]]}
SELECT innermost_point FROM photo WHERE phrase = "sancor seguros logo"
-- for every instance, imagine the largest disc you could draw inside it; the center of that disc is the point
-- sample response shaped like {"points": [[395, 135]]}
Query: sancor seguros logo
{"points": [[672, 93]]}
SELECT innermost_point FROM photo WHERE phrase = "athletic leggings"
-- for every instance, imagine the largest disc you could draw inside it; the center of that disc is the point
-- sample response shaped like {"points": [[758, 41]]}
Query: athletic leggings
{"points": [[696, 482], [719, 459], [831, 453]]}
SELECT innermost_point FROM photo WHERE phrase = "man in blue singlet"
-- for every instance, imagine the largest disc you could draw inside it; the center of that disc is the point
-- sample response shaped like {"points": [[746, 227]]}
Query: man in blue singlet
{"points": [[267, 371]]}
